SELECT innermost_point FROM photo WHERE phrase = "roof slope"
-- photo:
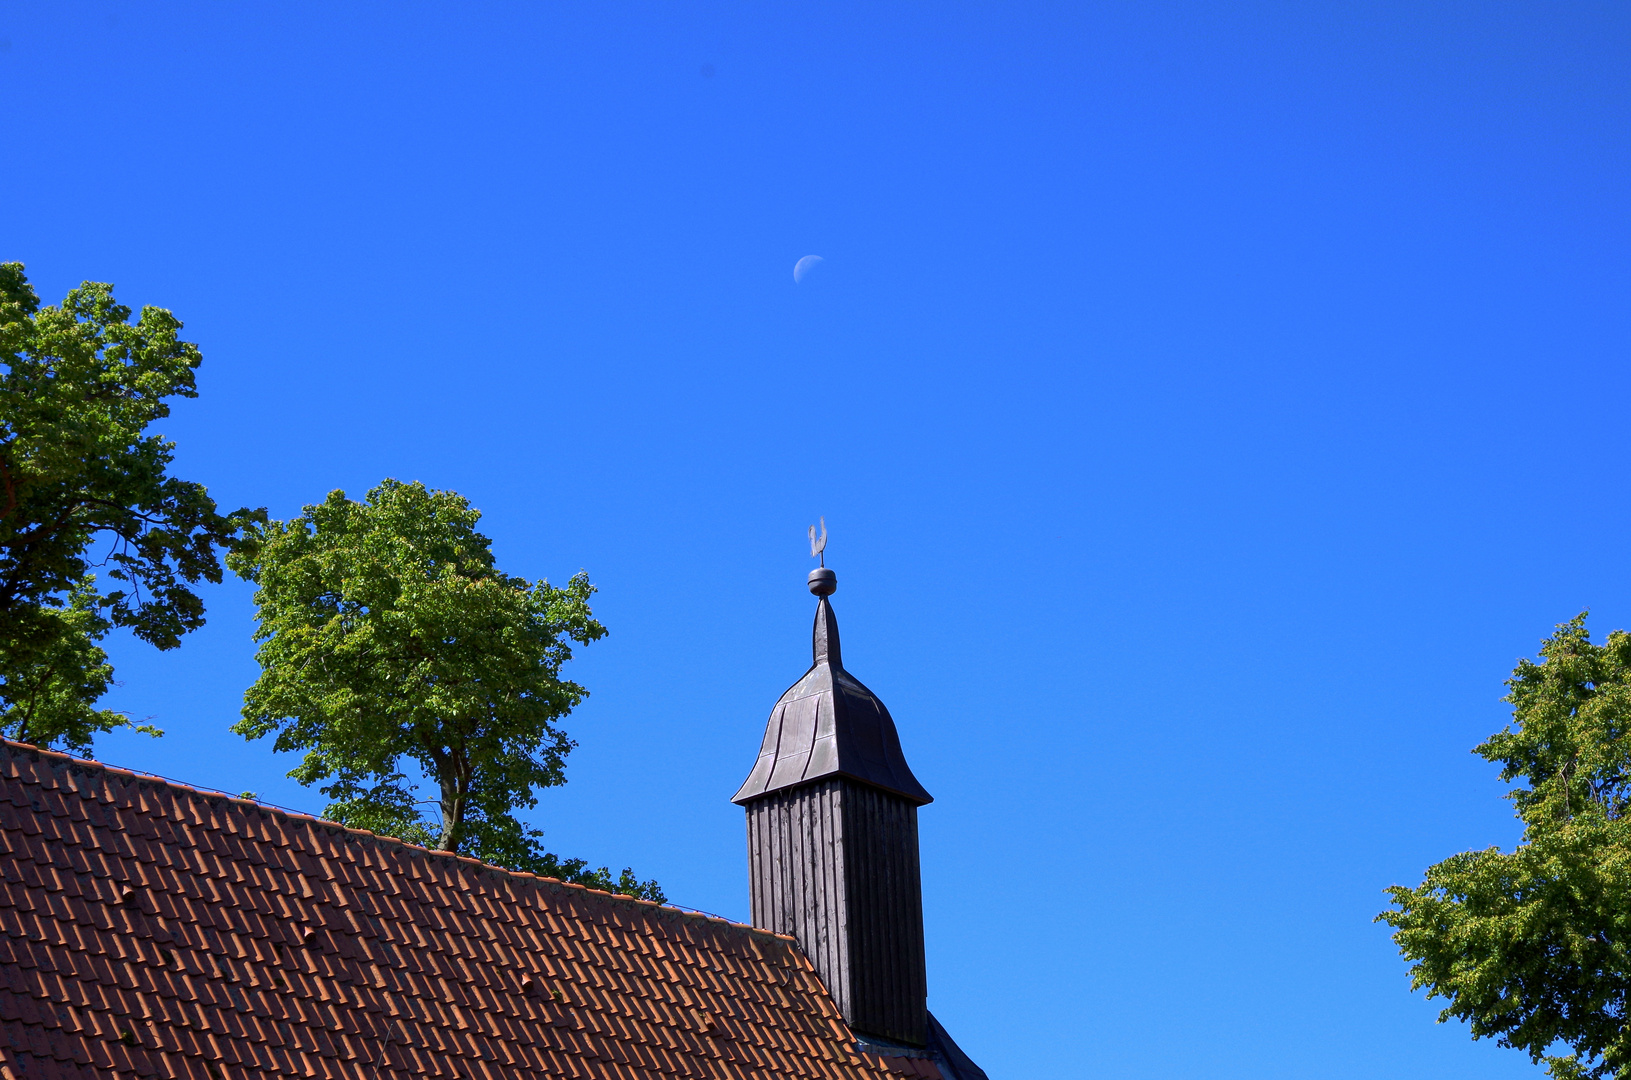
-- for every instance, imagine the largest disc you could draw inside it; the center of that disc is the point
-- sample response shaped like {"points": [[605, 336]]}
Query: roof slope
{"points": [[149, 929]]}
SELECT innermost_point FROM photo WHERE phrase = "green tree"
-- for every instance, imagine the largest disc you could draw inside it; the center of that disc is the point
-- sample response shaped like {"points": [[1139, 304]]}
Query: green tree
{"points": [[389, 640], [1533, 947], [84, 486]]}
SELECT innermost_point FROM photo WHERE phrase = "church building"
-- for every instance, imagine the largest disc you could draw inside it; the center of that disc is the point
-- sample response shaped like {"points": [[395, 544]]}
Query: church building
{"points": [[149, 929]]}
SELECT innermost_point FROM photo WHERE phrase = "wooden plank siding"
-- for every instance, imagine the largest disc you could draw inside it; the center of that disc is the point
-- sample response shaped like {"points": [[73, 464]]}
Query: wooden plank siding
{"points": [[835, 864]]}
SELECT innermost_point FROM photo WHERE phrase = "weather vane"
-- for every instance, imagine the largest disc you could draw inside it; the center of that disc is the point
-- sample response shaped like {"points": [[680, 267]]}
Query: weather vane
{"points": [[819, 544]]}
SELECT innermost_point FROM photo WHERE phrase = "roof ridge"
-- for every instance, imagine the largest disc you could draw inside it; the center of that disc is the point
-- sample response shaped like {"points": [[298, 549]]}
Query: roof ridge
{"points": [[272, 808]]}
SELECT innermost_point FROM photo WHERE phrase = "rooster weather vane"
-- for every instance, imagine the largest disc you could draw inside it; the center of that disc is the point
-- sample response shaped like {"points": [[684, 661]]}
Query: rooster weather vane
{"points": [[818, 545]]}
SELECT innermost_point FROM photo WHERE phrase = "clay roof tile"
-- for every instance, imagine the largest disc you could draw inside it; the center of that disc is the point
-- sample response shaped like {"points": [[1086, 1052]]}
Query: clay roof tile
{"points": [[276, 944]]}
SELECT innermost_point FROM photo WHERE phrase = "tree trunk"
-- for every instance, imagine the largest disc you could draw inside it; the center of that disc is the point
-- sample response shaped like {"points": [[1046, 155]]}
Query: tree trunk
{"points": [[453, 802]]}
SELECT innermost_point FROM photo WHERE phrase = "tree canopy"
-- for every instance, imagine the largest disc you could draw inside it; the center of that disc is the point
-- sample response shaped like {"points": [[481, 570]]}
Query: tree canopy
{"points": [[388, 642], [1533, 947], [84, 486]]}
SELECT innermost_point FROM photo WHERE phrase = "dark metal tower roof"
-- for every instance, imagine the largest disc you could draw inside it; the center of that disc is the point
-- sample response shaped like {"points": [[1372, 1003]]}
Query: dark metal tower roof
{"points": [[828, 724]]}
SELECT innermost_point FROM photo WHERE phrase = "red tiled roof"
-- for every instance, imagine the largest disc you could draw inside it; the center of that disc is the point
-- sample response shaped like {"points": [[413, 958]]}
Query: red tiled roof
{"points": [[148, 929]]}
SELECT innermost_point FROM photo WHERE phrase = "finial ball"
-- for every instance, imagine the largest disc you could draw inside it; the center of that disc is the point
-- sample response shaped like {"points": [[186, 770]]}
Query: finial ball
{"points": [[823, 582]]}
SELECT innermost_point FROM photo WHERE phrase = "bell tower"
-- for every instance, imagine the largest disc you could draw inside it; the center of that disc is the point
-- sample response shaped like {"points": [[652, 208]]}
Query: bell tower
{"points": [[832, 840]]}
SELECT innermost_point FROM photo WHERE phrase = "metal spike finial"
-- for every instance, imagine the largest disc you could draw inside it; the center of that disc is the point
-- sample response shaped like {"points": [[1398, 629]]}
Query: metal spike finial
{"points": [[818, 545]]}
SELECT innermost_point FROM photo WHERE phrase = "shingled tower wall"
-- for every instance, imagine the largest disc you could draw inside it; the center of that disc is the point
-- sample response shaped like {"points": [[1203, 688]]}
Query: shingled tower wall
{"points": [[832, 841]]}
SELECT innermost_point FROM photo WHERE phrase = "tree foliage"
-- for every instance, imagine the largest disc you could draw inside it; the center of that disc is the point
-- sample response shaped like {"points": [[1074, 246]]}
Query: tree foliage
{"points": [[85, 487], [1533, 947], [390, 641]]}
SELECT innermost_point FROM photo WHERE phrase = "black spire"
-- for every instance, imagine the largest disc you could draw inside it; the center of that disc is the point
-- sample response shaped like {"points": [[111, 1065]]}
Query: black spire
{"points": [[829, 724], [824, 638], [832, 841]]}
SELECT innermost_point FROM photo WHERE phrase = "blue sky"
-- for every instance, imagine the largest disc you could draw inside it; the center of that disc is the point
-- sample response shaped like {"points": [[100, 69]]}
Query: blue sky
{"points": [[1208, 404]]}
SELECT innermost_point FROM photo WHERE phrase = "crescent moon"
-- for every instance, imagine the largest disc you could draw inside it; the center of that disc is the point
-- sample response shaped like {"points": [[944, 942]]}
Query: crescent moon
{"points": [[804, 266]]}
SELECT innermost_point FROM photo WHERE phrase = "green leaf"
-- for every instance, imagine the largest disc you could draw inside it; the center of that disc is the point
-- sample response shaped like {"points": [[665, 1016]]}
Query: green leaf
{"points": [[84, 485], [387, 635], [1533, 947]]}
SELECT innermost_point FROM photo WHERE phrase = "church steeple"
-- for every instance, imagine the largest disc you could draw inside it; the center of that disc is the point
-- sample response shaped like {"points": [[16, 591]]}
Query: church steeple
{"points": [[829, 724], [832, 840]]}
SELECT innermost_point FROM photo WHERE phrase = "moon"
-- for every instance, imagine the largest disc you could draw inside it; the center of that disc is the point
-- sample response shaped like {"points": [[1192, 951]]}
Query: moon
{"points": [[802, 268]]}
